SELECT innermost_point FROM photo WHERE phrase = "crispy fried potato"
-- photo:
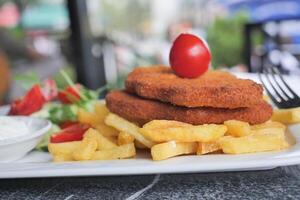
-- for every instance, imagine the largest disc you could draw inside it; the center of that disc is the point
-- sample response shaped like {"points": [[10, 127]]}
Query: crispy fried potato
{"points": [[139, 145], [62, 157], [64, 148], [87, 148], [125, 138], [237, 128], [287, 116], [268, 130], [270, 127], [113, 139], [101, 111], [163, 131], [95, 118], [266, 98], [163, 124], [258, 142], [268, 124], [207, 147], [123, 151], [107, 131], [88, 117], [170, 149], [125, 126], [102, 141]]}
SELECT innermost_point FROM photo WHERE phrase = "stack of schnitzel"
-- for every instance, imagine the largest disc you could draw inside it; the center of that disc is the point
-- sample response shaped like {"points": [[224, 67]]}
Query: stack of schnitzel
{"points": [[214, 97]]}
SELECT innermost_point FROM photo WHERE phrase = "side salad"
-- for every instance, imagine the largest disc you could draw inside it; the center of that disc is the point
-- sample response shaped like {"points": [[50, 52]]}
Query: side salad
{"points": [[60, 106]]}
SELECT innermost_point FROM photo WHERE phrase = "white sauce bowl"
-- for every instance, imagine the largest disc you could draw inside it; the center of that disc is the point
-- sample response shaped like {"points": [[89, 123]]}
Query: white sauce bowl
{"points": [[15, 148]]}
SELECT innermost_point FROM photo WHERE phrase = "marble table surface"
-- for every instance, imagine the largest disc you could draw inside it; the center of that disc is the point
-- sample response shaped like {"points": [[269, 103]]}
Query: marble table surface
{"points": [[279, 183]]}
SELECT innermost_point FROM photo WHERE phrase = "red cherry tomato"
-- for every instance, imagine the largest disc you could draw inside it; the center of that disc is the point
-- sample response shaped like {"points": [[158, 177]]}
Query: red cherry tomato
{"points": [[72, 133], [189, 56], [69, 94]]}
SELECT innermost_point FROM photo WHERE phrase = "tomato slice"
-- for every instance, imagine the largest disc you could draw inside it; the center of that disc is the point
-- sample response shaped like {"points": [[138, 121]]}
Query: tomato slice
{"points": [[67, 124], [70, 94], [49, 89], [72, 133], [33, 101]]}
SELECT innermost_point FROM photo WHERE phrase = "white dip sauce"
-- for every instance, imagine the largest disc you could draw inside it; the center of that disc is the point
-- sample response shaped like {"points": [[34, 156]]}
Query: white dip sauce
{"points": [[12, 128]]}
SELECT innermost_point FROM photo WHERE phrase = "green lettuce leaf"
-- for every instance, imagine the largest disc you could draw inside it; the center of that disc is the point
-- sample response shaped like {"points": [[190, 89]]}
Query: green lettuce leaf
{"points": [[43, 145], [62, 113]]}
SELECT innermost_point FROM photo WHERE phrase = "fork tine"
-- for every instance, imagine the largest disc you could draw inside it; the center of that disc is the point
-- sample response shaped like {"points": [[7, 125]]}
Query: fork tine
{"points": [[273, 87], [267, 90], [272, 72], [275, 70]]}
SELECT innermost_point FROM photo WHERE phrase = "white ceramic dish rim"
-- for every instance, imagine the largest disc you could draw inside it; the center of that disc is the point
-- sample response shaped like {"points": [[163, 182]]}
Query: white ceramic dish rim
{"points": [[46, 127]]}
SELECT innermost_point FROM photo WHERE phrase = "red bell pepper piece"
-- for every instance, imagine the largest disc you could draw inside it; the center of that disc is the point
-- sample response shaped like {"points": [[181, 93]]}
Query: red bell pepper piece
{"points": [[70, 94], [33, 101], [72, 133]]}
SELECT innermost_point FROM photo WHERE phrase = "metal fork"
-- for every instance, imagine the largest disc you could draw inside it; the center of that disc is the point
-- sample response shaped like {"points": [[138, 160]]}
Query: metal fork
{"points": [[277, 88]]}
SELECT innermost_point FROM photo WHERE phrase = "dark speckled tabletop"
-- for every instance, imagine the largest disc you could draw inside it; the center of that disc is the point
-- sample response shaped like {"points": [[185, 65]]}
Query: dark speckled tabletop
{"points": [[280, 183]]}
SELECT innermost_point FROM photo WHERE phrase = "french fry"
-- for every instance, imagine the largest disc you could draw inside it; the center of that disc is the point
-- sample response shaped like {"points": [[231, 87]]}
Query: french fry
{"points": [[267, 98], [88, 117], [125, 126], [102, 141], [207, 147], [101, 111], [276, 128], [125, 138], [62, 157], [163, 124], [170, 149], [268, 130], [258, 142], [120, 152], [237, 128], [268, 124], [287, 116], [107, 131], [113, 139], [87, 148], [139, 145], [271, 127], [64, 148], [157, 131]]}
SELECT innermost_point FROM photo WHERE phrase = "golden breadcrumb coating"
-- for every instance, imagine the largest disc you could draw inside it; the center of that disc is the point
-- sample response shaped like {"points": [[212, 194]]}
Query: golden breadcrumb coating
{"points": [[217, 89], [136, 109]]}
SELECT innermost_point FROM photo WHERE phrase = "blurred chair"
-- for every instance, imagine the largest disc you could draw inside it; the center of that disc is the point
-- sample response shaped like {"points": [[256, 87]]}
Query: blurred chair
{"points": [[5, 77]]}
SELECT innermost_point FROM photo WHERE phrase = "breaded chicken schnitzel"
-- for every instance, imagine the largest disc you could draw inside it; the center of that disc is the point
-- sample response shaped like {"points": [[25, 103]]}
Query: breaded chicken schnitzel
{"points": [[141, 110], [216, 89]]}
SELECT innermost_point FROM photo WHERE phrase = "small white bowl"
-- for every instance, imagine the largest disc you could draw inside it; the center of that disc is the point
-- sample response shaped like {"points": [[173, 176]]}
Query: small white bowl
{"points": [[15, 148]]}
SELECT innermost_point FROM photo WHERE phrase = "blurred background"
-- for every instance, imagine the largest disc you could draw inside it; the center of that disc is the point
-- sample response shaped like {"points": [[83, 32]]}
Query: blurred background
{"points": [[97, 42]]}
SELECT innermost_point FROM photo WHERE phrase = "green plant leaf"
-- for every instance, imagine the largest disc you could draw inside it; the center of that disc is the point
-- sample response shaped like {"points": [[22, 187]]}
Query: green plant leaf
{"points": [[62, 113], [225, 39]]}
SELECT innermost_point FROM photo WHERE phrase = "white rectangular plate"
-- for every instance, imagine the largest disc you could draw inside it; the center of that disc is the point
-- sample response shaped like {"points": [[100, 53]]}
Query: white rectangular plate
{"points": [[37, 164]]}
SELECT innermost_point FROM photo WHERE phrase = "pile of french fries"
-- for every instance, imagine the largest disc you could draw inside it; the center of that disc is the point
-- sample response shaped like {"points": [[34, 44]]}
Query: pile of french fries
{"points": [[101, 142], [113, 137]]}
